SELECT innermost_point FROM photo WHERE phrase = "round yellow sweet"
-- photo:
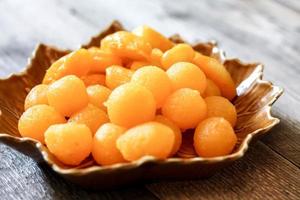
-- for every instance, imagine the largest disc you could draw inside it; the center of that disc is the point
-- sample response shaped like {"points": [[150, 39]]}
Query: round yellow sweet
{"points": [[218, 73], [212, 89], [175, 129], [105, 151], [148, 139], [126, 45], [76, 63], [98, 94], [71, 143], [35, 120], [36, 96], [67, 95], [135, 65], [92, 116], [131, 104], [156, 80], [155, 57], [179, 53], [221, 107], [93, 79], [102, 60], [214, 137], [53, 71], [156, 39], [187, 75], [185, 107], [116, 76]]}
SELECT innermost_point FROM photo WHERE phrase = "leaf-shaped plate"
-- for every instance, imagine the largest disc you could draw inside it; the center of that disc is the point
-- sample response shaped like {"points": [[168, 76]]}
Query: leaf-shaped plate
{"points": [[253, 104]]}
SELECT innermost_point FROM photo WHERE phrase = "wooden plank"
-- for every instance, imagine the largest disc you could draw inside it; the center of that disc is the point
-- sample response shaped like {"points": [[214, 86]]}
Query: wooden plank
{"points": [[23, 178], [250, 30], [285, 139], [25, 28], [269, 177]]}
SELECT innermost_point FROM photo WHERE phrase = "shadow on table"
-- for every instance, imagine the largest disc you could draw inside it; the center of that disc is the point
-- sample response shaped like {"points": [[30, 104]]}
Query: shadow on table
{"points": [[65, 189]]}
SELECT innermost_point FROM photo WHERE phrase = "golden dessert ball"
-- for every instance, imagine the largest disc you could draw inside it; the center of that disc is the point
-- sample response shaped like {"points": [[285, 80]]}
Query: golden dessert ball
{"points": [[116, 76], [214, 137], [36, 96], [35, 120], [92, 116], [185, 107], [130, 104], [175, 129], [156, 80], [156, 39], [221, 107], [187, 75], [93, 79], [135, 65], [211, 89], [155, 57], [77, 63], [217, 72], [105, 151], [148, 139], [126, 45], [102, 60], [98, 94], [52, 71], [179, 53], [71, 143], [67, 95]]}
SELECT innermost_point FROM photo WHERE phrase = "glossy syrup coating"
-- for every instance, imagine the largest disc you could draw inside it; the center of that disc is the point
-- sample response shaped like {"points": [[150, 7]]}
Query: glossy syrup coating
{"points": [[126, 45], [179, 53], [148, 139], [93, 79], [214, 137], [211, 89], [35, 120], [71, 143], [215, 71], [102, 60], [185, 107], [130, 104], [77, 63], [156, 39], [92, 116], [67, 95], [175, 129], [155, 57], [36, 96], [105, 151], [116, 76], [187, 75], [221, 107], [98, 94], [156, 80], [135, 65], [51, 73]]}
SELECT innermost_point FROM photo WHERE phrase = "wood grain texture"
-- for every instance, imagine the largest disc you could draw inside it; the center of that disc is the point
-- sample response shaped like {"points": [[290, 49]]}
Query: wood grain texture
{"points": [[270, 177], [285, 139], [23, 178], [266, 31]]}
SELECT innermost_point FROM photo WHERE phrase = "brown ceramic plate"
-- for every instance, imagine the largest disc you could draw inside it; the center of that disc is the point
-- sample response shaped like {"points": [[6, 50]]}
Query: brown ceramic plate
{"points": [[253, 105]]}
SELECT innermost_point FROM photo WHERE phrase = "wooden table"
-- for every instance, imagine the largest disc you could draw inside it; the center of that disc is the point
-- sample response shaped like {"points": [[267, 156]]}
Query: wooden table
{"points": [[264, 31]]}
